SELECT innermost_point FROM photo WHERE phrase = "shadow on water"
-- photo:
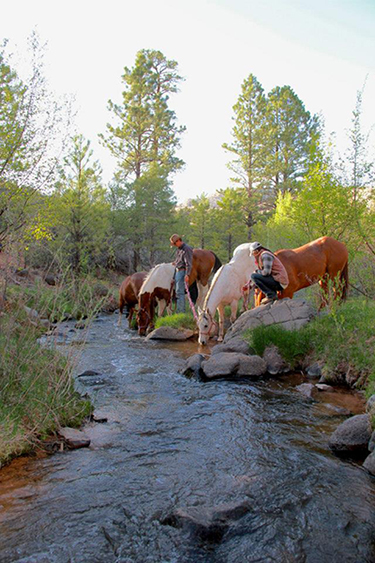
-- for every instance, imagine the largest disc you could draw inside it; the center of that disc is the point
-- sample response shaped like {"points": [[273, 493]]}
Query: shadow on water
{"points": [[174, 443]]}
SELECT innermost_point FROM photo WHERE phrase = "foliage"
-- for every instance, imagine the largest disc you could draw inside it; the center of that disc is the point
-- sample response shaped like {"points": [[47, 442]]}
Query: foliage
{"points": [[81, 212], [292, 344], [179, 320], [33, 130], [144, 141], [343, 340], [71, 298], [37, 392]]}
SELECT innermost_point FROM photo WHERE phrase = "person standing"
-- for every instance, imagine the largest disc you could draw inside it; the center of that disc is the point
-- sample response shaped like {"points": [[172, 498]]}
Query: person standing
{"points": [[271, 275], [183, 264]]}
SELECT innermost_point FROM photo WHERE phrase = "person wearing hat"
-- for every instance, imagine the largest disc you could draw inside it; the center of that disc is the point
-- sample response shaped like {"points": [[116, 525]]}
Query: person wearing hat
{"points": [[271, 275], [183, 264]]}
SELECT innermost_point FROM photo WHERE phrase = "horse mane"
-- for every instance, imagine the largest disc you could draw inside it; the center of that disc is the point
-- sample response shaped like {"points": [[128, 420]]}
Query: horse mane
{"points": [[214, 280], [157, 277]]}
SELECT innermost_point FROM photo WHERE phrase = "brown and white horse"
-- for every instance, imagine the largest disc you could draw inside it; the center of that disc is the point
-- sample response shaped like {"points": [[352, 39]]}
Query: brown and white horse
{"points": [[129, 292], [320, 261], [159, 284]]}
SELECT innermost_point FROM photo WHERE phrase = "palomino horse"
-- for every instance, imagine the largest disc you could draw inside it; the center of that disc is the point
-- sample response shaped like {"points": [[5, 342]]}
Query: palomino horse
{"points": [[321, 260], [160, 281], [129, 292], [226, 289]]}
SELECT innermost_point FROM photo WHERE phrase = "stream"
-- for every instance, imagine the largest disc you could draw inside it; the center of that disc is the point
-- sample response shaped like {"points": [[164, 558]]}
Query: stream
{"points": [[175, 443]]}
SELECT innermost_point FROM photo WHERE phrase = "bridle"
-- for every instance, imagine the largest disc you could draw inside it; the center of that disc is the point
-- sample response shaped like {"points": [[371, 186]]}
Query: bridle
{"points": [[142, 327], [212, 323]]}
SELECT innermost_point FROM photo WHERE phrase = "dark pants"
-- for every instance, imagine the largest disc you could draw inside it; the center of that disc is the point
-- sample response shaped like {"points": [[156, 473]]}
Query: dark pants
{"points": [[267, 285]]}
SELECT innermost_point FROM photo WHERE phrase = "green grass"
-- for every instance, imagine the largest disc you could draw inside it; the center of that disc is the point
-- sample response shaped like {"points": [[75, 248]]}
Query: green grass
{"points": [[179, 320], [72, 298], [293, 345], [343, 339], [37, 393]]}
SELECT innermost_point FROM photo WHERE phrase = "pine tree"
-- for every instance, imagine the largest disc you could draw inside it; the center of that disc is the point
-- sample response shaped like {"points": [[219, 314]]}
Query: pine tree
{"points": [[145, 141]]}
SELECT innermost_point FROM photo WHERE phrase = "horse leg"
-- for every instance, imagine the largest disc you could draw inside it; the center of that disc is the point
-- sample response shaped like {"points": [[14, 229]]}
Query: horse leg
{"points": [[233, 309], [202, 292], [130, 317], [162, 304], [221, 322]]}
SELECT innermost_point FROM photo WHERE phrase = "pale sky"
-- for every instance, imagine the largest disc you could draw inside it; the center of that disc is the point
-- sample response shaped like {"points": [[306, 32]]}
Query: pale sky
{"points": [[323, 49]]}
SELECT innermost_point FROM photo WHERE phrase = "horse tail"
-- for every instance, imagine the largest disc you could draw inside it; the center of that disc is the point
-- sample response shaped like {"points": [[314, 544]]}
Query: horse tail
{"points": [[217, 264], [344, 279]]}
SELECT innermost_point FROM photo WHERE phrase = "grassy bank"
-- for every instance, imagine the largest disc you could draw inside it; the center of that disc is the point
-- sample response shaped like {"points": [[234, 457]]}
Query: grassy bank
{"points": [[37, 393], [343, 340]]}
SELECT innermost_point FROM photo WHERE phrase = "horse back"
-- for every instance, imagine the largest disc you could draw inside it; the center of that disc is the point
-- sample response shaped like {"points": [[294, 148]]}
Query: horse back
{"points": [[205, 262]]}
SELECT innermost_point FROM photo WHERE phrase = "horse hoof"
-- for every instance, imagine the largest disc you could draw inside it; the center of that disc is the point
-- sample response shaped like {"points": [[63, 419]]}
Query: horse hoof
{"points": [[220, 339]]}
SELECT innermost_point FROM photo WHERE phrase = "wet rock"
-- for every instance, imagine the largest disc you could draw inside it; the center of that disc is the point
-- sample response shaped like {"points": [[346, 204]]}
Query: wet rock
{"points": [[227, 364], [73, 438], [169, 333], [370, 405], [193, 365], [234, 345], [207, 524], [50, 279], [330, 410], [88, 373], [371, 444], [324, 387], [306, 389], [314, 370], [288, 313], [274, 360], [369, 463], [352, 436]]}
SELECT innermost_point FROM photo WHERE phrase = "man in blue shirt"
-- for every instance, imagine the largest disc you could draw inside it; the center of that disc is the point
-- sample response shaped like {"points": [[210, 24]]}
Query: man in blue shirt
{"points": [[183, 264]]}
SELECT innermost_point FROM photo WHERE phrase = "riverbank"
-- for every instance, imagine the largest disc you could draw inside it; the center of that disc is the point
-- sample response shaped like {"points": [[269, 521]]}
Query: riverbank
{"points": [[37, 389]]}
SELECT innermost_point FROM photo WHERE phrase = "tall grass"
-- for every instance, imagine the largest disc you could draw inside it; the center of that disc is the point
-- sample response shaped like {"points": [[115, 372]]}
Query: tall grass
{"points": [[343, 339], [179, 320], [37, 393]]}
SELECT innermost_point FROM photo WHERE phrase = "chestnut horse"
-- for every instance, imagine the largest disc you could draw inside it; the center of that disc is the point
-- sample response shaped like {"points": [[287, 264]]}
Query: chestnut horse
{"points": [[321, 260], [160, 281], [129, 292]]}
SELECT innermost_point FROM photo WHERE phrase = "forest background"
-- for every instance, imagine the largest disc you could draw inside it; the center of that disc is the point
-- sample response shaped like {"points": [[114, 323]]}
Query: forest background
{"points": [[288, 184]]}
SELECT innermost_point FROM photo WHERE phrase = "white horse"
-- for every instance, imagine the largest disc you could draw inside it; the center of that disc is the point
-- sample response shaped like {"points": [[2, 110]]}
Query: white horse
{"points": [[226, 289]]}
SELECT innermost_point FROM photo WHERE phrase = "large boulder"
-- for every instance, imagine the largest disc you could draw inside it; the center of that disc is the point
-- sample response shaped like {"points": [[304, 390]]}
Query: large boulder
{"points": [[237, 345], [351, 438], [192, 367], [274, 360], [288, 313], [232, 365]]}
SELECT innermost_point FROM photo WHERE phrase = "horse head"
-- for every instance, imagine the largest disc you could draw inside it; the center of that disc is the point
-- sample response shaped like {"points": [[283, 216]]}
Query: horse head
{"points": [[206, 324], [143, 321]]}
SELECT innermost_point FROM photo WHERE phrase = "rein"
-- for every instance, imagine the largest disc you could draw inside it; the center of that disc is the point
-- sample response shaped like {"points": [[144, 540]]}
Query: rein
{"points": [[213, 323], [191, 303]]}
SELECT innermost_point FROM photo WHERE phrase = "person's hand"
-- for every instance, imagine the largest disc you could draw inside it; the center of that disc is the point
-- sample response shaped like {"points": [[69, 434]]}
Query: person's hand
{"points": [[187, 279], [245, 287]]}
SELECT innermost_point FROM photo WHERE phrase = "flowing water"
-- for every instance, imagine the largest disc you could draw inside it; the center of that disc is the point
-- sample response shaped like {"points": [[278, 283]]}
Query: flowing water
{"points": [[172, 442]]}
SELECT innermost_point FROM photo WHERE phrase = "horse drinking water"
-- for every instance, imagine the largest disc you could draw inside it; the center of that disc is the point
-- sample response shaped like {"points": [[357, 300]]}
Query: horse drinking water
{"points": [[129, 292], [159, 284], [226, 289]]}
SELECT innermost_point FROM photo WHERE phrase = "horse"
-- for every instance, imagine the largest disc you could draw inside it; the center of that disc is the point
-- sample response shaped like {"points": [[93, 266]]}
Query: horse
{"points": [[226, 289], [128, 295], [160, 281], [320, 261]]}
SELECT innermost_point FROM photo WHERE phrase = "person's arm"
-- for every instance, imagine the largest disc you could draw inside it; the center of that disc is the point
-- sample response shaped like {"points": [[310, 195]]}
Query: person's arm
{"points": [[267, 260], [188, 259]]}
